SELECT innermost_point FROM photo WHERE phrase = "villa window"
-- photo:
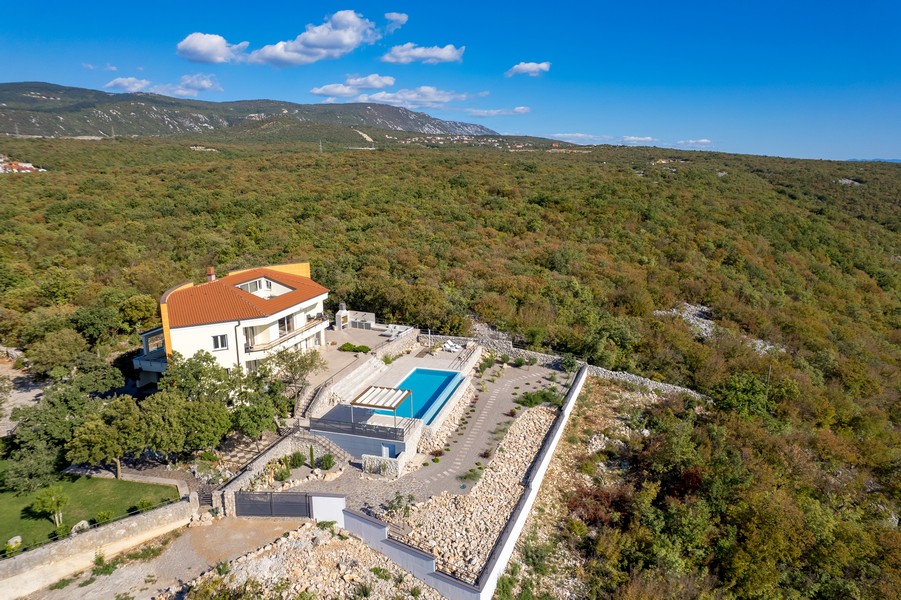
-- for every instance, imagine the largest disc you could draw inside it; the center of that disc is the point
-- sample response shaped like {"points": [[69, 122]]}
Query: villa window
{"points": [[285, 325], [220, 342]]}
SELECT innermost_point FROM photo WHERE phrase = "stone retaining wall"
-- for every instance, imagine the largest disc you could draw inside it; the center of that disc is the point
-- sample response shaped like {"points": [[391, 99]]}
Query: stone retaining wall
{"points": [[404, 341], [35, 569], [387, 467], [435, 435], [224, 499]]}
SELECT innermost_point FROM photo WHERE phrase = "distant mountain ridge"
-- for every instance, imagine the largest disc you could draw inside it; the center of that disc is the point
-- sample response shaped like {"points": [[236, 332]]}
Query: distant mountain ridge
{"points": [[46, 109]]}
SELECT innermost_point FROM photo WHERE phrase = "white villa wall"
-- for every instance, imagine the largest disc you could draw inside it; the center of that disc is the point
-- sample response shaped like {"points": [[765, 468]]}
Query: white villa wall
{"points": [[187, 341]]}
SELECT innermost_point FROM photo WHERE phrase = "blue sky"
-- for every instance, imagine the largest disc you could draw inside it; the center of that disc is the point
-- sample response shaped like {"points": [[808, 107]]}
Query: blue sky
{"points": [[787, 78]]}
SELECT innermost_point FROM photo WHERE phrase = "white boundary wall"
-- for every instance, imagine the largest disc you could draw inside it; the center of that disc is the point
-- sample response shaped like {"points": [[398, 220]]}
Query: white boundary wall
{"points": [[35, 569]]}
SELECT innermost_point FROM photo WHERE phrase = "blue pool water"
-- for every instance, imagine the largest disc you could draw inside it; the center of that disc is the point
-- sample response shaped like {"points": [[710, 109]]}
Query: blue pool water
{"points": [[431, 388]]}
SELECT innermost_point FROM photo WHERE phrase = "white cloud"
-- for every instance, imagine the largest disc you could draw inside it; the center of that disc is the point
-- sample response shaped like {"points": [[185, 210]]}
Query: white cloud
{"points": [[702, 143], [110, 67], [343, 32], [495, 112], [431, 55], [209, 48], [189, 86], [88, 66], [425, 96], [397, 19], [582, 138], [339, 90], [127, 84], [371, 82], [532, 69], [589, 138], [353, 85]]}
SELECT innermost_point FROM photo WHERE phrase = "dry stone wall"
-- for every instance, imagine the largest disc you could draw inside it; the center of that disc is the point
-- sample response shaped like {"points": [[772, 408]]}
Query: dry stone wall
{"points": [[434, 436], [405, 341], [499, 343]]}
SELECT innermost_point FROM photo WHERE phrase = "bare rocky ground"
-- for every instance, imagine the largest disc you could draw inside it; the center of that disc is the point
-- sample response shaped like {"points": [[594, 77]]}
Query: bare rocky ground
{"points": [[186, 555], [596, 424], [323, 562], [26, 392]]}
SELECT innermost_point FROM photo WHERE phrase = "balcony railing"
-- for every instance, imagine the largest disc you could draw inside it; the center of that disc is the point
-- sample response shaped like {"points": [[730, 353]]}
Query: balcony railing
{"points": [[154, 361], [311, 324], [381, 432]]}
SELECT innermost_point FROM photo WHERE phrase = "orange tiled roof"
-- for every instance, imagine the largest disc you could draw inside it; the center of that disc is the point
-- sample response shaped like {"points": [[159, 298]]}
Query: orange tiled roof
{"points": [[219, 301]]}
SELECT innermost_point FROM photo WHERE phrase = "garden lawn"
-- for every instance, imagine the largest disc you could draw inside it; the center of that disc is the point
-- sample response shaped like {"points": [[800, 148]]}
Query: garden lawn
{"points": [[87, 497]]}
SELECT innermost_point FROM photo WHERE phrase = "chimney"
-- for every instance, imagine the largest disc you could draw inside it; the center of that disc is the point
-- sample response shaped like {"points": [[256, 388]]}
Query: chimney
{"points": [[211, 274]]}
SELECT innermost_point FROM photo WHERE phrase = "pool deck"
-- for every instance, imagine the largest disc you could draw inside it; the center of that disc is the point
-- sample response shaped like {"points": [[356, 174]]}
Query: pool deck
{"points": [[480, 432], [402, 366]]}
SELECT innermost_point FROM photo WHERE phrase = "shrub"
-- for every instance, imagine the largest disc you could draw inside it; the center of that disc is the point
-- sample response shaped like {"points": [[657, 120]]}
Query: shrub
{"points": [[296, 460], [208, 456], [348, 347], [61, 583], [12, 549], [326, 525], [505, 358], [519, 362], [144, 504], [326, 462], [282, 475], [569, 363], [381, 572], [222, 568], [101, 567], [103, 516], [61, 531], [546, 395]]}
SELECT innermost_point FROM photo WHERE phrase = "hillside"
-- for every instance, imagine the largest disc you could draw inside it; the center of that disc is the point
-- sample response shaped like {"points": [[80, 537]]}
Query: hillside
{"points": [[43, 109], [582, 253]]}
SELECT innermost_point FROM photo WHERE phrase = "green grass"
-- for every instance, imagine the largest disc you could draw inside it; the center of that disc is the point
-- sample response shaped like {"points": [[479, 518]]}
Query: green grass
{"points": [[88, 496]]}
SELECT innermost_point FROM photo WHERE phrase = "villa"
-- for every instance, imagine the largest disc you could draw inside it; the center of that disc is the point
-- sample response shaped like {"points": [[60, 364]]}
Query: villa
{"points": [[240, 319]]}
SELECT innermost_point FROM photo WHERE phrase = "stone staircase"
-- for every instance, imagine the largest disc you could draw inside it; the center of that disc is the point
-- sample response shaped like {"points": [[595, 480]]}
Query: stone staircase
{"points": [[330, 447], [354, 382]]}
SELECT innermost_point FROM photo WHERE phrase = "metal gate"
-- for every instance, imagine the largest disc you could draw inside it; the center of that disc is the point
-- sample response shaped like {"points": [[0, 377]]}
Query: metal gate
{"points": [[272, 504]]}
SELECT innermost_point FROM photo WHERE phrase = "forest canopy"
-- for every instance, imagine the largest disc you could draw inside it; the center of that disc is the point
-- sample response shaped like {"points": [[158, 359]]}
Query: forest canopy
{"points": [[570, 252]]}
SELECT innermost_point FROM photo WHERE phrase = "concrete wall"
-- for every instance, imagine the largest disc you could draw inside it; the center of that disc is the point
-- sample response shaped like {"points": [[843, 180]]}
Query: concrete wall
{"points": [[357, 446], [38, 568], [328, 507], [421, 564]]}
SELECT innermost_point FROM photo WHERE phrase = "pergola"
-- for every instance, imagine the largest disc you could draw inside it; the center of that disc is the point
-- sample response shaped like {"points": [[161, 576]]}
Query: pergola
{"points": [[381, 398]]}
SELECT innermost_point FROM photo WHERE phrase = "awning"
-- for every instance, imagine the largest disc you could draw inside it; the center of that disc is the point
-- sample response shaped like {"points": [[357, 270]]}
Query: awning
{"points": [[381, 398]]}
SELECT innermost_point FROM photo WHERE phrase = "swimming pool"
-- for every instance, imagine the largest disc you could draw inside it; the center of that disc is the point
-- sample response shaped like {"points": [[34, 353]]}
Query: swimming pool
{"points": [[430, 390]]}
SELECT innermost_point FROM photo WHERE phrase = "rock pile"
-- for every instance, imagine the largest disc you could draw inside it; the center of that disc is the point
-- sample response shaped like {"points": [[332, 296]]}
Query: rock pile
{"points": [[461, 530], [325, 563]]}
